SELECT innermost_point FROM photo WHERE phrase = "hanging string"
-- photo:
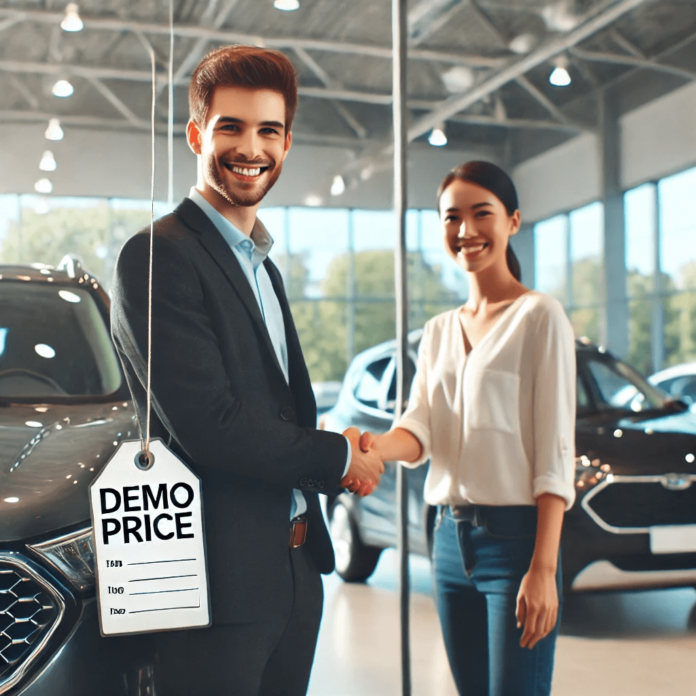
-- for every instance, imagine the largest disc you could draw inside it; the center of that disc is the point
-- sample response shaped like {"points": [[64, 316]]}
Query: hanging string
{"points": [[146, 439], [170, 137], [170, 112]]}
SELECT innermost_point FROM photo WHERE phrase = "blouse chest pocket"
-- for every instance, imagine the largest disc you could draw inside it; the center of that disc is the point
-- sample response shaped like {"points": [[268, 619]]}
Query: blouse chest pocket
{"points": [[492, 400]]}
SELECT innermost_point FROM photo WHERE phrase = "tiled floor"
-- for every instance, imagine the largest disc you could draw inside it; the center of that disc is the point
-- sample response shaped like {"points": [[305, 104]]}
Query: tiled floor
{"points": [[633, 644]]}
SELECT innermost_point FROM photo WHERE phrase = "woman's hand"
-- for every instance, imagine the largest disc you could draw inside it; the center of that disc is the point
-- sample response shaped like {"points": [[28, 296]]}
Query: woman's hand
{"points": [[537, 605]]}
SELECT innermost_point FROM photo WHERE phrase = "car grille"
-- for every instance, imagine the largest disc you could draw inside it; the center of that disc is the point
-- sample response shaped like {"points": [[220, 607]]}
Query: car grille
{"points": [[29, 610], [641, 502]]}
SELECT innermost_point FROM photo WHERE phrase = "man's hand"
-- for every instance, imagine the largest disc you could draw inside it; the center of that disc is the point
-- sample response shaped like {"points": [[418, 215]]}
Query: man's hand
{"points": [[365, 468]]}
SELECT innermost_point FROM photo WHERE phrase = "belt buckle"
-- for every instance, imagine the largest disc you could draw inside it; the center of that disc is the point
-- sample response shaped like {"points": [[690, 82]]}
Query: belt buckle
{"points": [[298, 532]]}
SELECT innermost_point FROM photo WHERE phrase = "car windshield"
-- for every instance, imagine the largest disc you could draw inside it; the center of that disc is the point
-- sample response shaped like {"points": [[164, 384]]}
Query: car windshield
{"points": [[53, 343], [616, 385]]}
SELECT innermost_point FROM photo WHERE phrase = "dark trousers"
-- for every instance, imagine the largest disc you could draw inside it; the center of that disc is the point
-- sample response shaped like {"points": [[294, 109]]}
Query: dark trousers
{"points": [[272, 657], [480, 556]]}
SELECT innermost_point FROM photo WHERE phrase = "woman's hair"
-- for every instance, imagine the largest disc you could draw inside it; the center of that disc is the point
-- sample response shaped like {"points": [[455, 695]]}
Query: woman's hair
{"points": [[491, 177], [242, 66]]}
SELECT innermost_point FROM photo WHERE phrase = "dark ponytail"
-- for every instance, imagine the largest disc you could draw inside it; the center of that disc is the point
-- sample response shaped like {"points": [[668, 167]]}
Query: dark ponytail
{"points": [[491, 177]]}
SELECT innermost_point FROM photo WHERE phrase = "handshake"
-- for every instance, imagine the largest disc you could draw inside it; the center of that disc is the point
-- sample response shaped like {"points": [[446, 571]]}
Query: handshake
{"points": [[366, 465]]}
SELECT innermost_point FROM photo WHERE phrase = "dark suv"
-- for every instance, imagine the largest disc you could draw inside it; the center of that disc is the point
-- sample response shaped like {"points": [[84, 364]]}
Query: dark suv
{"points": [[633, 524], [64, 407]]}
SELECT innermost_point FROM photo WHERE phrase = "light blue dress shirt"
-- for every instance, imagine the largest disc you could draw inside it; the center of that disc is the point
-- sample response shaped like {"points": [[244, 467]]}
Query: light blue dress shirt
{"points": [[251, 252]]}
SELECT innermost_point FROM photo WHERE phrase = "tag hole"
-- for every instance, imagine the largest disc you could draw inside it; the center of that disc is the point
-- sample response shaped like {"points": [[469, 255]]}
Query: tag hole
{"points": [[143, 461]]}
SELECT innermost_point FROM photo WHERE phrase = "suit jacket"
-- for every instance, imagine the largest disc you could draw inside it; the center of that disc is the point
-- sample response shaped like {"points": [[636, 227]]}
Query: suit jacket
{"points": [[221, 402]]}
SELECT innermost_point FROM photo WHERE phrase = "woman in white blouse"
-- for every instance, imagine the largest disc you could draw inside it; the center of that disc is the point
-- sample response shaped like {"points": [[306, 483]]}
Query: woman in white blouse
{"points": [[493, 407]]}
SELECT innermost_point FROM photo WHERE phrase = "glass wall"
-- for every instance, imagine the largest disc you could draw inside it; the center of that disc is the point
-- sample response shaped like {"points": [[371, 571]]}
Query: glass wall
{"points": [[568, 259], [660, 239], [337, 264], [338, 268]]}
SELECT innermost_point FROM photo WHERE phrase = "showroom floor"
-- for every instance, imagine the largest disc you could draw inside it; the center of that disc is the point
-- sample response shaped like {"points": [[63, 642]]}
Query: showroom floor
{"points": [[638, 644]]}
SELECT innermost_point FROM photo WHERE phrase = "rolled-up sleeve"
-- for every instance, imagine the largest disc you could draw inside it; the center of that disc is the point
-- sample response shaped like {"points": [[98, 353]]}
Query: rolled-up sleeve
{"points": [[416, 418], [554, 406]]}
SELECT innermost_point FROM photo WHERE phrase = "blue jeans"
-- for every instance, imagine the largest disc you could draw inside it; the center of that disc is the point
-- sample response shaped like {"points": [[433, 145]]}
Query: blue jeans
{"points": [[480, 556]]}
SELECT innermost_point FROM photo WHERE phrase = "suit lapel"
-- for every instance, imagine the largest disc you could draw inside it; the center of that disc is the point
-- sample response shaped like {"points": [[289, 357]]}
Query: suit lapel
{"points": [[300, 383], [224, 257]]}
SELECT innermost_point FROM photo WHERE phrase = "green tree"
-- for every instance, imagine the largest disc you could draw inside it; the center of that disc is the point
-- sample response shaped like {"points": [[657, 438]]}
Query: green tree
{"points": [[324, 325], [95, 234]]}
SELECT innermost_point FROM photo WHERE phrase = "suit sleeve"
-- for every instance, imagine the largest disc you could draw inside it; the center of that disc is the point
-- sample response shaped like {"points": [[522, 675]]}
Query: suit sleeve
{"points": [[191, 393]]}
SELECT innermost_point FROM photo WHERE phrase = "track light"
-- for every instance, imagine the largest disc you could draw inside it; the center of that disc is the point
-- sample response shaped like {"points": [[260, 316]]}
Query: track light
{"points": [[338, 186], [287, 5], [72, 21], [62, 88], [48, 162], [54, 131], [437, 136], [43, 186]]}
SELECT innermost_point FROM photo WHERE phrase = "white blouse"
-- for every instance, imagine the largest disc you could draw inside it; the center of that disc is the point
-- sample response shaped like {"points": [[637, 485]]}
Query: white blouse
{"points": [[499, 424]]}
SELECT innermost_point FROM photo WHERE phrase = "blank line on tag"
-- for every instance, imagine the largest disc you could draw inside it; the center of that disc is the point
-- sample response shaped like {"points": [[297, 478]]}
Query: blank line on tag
{"points": [[173, 560], [144, 611]]}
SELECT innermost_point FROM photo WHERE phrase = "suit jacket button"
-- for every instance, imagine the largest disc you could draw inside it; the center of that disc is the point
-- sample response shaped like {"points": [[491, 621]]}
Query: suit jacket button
{"points": [[287, 412]]}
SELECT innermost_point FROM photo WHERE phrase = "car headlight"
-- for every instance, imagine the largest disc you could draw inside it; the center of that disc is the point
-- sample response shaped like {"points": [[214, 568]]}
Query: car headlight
{"points": [[590, 473], [72, 556]]}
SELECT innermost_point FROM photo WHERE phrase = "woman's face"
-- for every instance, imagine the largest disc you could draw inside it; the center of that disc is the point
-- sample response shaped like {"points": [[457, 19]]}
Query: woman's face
{"points": [[476, 226]]}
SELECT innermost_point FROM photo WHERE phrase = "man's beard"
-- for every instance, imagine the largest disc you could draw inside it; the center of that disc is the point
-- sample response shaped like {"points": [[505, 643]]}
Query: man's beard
{"points": [[241, 198]]}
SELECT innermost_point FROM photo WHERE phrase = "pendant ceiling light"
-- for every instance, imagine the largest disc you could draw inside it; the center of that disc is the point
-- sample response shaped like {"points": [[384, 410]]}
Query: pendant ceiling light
{"points": [[72, 21], [54, 131], [287, 5], [48, 162], [338, 186], [62, 89], [437, 136], [43, 186]]}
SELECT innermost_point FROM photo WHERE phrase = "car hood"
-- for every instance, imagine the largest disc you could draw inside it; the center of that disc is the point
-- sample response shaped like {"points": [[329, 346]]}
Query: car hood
{"points": [[656, 442], [49, 455]]}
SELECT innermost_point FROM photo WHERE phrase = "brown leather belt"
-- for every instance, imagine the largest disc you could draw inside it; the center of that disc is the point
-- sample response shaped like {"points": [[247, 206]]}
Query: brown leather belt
{"points": [[298, 532]]}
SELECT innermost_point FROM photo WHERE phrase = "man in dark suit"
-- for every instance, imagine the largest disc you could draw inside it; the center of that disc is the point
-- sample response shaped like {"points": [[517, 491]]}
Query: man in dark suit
{"points": [[231, 394]]}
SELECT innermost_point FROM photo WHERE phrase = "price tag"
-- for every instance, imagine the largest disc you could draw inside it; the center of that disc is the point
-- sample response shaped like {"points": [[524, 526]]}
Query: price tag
{"points": [[149, 543]]}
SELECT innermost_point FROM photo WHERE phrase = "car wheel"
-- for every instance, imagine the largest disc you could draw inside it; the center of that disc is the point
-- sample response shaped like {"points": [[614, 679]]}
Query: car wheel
{"points": [[355, 561]]}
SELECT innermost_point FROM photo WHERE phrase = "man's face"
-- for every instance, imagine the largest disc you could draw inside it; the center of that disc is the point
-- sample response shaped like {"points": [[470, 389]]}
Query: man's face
{"points": [[243, 144]]}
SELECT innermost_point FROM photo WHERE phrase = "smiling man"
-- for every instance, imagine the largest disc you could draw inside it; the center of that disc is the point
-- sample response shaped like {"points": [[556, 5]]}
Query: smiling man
{"points": [[231, 392]]}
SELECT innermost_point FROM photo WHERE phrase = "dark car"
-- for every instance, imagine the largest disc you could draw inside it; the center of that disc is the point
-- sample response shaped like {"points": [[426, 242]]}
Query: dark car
{"points": [[64, 408], [679, 381], [633, 524]]}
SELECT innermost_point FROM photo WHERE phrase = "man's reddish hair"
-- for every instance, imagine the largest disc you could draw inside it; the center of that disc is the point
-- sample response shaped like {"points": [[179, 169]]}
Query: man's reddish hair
{"points": [[242, 66]]}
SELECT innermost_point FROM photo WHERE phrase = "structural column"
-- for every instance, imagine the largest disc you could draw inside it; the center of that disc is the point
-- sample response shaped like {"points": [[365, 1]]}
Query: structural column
{"points": [[616, 319]]}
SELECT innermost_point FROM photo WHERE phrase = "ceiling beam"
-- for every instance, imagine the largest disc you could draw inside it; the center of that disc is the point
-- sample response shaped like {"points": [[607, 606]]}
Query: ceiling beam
{"points": [[645, 63], [321, 74], [24, 91], [117, 103], [145, 76], [429, 16], [198, 50], [81, 121], [536, 124], [523, 82], [226, 36], [10, 22], [518, 68]]}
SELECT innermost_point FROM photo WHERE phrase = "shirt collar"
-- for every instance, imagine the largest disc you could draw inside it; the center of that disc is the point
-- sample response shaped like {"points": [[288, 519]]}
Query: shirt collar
{"points": [[259, 234]]}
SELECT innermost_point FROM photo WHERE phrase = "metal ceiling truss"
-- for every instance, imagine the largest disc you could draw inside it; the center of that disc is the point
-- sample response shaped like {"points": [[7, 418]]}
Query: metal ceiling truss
{"points": [[607, 14], [225, 36]]}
